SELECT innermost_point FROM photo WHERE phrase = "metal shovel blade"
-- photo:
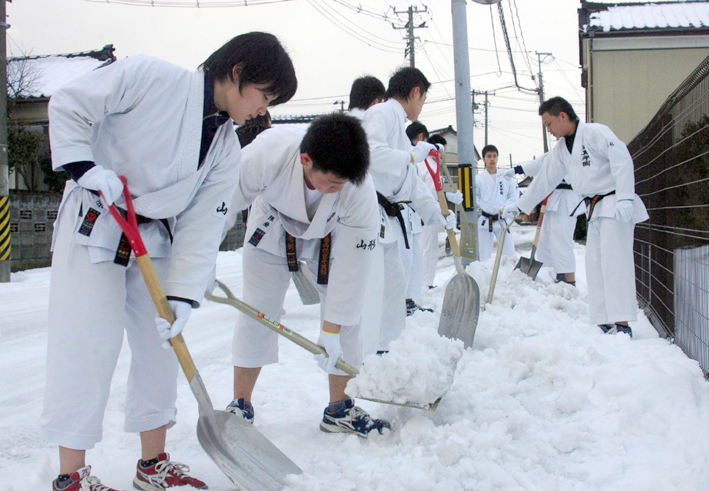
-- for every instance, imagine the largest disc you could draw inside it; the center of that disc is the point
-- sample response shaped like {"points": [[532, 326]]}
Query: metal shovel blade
{"points": [[529, 266], [460, 311], [240, 451]]}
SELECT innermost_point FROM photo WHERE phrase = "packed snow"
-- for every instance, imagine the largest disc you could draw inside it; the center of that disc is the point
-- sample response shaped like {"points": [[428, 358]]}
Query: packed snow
{"points": [[542, 401]]}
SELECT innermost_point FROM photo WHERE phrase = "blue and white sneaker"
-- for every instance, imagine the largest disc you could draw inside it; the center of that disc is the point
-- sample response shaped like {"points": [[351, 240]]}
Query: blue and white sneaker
{"points": [[607, 328], [624, 329], [348, 418], [242, 408]]}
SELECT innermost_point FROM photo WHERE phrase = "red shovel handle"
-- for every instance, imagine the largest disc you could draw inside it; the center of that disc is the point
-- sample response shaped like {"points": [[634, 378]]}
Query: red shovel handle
{"points": [[437, 174], [130, 226]]}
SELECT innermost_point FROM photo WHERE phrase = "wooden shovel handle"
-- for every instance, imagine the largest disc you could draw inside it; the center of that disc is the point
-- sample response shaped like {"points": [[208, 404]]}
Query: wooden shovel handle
{"points": [[130, 228]]}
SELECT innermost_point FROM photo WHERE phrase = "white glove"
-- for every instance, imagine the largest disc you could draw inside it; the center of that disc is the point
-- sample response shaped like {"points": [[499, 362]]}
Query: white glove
{"points": [[182, 313], [509, 173], [624, 210], [448, 222], [455, 198], [331, 342], [509, 213], [99, 179], [421, 151]]}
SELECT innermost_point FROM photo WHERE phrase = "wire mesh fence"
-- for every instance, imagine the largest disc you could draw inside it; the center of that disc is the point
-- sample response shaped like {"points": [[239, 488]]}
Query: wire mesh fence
{"points": [[671, 158]]}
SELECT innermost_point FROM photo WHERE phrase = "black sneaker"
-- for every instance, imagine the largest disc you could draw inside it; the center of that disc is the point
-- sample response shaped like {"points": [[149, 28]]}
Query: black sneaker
{"points": [[607, 328], [412, 308], [242, 408], [348, 418], [624, 329]]}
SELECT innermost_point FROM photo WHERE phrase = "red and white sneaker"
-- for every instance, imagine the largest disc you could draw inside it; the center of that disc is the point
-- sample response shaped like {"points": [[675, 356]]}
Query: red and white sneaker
{"points": [[82, 480], [165, 474]]}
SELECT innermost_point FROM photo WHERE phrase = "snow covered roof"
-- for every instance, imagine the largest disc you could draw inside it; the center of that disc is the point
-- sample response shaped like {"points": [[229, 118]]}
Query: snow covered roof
{"points": [[44, 74], [646, 16]]}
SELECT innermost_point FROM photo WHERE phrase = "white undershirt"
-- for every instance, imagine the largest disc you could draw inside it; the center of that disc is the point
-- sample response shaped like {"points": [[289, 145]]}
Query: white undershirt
{"points": [[312, 200]]}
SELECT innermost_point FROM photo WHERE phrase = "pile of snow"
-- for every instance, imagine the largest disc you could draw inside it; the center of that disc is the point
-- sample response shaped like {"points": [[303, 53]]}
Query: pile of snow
{"points": [[418, 369]]}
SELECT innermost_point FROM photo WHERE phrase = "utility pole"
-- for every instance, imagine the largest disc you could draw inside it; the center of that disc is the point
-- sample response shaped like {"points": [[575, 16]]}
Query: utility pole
{"points": [[410, 38], [4, 176], [485, 93], [541, 96], [342, 105]]}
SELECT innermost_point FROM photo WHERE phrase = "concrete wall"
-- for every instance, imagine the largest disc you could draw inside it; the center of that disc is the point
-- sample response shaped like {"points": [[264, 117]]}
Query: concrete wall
{"points": [[32, 218]]}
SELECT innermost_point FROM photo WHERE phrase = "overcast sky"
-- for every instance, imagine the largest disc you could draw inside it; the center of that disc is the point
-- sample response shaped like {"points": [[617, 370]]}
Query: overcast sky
{"points": [[332, 43]]}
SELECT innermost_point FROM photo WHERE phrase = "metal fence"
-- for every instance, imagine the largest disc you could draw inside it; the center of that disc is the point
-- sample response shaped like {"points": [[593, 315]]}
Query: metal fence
{"points": [[671, 158]]}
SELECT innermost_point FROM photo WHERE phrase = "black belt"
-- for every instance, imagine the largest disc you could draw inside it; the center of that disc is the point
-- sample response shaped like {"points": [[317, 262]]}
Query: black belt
{"points": [[564, 185], [323, 261], [393, 210], [124, 249], [591, 202], [491, 218]]}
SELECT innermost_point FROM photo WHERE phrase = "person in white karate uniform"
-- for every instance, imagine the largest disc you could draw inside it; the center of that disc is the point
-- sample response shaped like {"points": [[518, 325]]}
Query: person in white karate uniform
{"points": [[493, 191], [365, 92], [599, 167], [169, 131], [313, 201], [398, 185], [556, 238]]}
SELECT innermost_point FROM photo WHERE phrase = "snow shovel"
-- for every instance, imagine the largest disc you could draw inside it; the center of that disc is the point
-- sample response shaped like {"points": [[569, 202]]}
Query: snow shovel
{"points": [[301, 341], [496, 267], [531, 266], [243, 454], [305, 285], [461, 301]]}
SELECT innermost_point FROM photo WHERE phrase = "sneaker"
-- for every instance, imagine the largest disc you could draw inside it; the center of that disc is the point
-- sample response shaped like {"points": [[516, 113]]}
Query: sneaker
{"points": [[561, 278], [348, 418], [81, 480], [607, 328], [412, 308], [624, 329], [163, 475], [242, 408]]}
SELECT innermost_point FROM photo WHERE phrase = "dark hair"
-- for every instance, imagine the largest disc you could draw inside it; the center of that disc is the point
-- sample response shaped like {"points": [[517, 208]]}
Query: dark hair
{"points": [[259, 58], [403, 82], [415, 129], [365, 90], [248, 131], [437, 139], [556, 106], [338, 144], [490, 148]]}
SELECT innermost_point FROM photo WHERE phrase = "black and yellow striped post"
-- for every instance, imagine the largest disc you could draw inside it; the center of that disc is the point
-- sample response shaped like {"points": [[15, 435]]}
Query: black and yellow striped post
{"points": [[468, 224], [4, 228]]}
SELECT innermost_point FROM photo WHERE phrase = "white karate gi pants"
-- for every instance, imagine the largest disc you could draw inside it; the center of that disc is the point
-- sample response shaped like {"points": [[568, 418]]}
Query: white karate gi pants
{"points": [[412, 259], [610, 271], [429, 252], [266, 280], [486, 238], [90, 306], [556, 242]]}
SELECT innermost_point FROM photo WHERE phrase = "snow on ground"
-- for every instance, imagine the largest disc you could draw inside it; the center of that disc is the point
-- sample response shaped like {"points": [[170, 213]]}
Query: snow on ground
{"points": [[542, 401]]}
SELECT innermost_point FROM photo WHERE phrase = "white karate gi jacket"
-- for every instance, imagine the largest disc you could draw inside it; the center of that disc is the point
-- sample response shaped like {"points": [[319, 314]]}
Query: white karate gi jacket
{"points": [[565, 201], [598, 164], [271, 178], [390, 165], [492, 193], [142, 118]]}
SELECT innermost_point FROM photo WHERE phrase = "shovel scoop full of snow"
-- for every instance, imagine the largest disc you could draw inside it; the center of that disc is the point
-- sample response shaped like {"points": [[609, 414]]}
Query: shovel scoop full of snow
{"points": [[416, 372]]}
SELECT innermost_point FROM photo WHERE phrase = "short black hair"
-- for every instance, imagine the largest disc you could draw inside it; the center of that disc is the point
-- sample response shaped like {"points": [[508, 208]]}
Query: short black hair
{"points": [[365, 90], [415, 129], [437, 139], [557, 105], [248, 131], [337, 143], [490, 148], [260, 59], [403, 82]]}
